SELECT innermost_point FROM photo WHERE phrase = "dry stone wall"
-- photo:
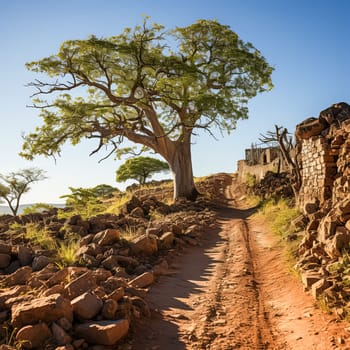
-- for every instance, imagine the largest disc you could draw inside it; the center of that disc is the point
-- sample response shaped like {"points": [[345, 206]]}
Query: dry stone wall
{"points": [[324, 253]]}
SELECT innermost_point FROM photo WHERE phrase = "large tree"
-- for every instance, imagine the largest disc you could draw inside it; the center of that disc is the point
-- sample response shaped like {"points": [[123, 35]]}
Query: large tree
{"points": [[15, 184], [150, 86], [140, 169]]}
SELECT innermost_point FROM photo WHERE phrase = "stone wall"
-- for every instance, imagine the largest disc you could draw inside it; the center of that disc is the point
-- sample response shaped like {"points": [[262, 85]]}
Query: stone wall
{"points": [[259, 171], [325, 163]]}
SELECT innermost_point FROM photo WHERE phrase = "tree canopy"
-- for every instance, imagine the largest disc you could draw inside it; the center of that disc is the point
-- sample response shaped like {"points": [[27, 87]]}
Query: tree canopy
{"points": [[140, 169], [15, 184], [149, 85]]}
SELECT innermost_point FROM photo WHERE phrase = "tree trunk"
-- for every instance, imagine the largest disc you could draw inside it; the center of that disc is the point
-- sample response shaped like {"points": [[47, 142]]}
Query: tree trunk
{"points": [[181, 167]]}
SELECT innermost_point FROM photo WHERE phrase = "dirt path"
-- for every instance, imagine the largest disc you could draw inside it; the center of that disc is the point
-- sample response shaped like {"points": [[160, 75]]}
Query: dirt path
{"points": [[235, 292]]}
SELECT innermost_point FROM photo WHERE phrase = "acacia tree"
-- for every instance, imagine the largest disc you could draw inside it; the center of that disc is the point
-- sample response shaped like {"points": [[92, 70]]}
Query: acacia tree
{"points": [[15, 184], [140, 169], [150, 86]]}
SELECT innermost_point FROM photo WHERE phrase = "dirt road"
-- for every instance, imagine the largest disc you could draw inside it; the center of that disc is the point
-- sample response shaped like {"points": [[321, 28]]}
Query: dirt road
{"points": [[236, 292]]}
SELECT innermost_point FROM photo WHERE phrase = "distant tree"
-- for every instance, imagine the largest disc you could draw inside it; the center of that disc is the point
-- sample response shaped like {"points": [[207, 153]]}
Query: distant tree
{"points": [[151, 86], [281, 137], [89, 201], [37, 207], [15, 184], [140, 169]]}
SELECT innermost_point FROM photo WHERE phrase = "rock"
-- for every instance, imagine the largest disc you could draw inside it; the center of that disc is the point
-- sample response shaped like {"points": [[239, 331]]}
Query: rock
{"points": [[18, 277], [40, 262], [107, 237], [78, 343], [141, 305], [25, 255], [299, 223], [341, 240], [80, 285], [5, 248], [6, 294], [86, 306], [33, 336], [45, 309], [161, 268], [142, 281], [166, 241], [4, 260], [110, 263], [59, 277], [109, 309], [309, 127], [65, 347], [101, 275], [308, 278], [319, 287], [137, 212], [117, 294], [60, 335], [103, 332], [347, 225], [145, 244]]}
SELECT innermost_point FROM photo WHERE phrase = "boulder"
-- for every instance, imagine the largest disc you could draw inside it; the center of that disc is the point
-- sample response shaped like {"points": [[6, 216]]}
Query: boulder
{"points": [[309, 278], [33, 336], [20, 276], [340, 241], [60, 335], [80, 285], [166, 241], [107, 237], [6, 294], [319, 287], [103, 332], [40, 262], [110, 263], [86, 306], [309, 127], [25, 255], [109, 309], [5, 248], [145, 244], [5, 260], [142, 281], [44, 309]]}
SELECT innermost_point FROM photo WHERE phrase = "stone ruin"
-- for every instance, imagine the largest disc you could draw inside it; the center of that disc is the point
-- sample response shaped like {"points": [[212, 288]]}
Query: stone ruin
{"points": [[324, 199]]}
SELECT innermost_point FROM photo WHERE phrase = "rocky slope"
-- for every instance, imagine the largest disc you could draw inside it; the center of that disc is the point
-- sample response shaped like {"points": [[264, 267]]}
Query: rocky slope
{"points": [[93, 303]]}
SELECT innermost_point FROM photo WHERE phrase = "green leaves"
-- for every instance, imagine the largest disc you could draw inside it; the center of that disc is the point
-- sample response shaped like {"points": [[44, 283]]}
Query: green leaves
{"points": [[111, 88], [140, 169]]}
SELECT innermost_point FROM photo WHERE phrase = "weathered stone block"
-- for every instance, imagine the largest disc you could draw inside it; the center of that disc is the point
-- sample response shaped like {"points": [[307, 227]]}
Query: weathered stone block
{"points": [[33, 336], [86, 306], [103, 332], [45, 309], [142, 281]]}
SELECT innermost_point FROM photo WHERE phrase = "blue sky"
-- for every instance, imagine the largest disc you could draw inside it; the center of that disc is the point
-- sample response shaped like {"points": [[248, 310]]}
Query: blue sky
{"points": [[306, 41]]}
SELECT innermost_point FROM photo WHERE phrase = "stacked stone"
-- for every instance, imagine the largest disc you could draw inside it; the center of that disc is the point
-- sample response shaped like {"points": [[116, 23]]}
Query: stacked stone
{"points": [[324, 252], [317, 166], [341, 145]]}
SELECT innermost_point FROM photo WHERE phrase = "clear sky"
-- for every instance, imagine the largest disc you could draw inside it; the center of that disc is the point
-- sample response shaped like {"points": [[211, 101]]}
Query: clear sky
{"points": [[306, 41]]}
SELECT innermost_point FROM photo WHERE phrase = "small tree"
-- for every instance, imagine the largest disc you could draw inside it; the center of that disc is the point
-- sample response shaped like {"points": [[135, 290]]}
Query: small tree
{"points": [[15, 184], [285, 142], [140, 169], [89, 201]]}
